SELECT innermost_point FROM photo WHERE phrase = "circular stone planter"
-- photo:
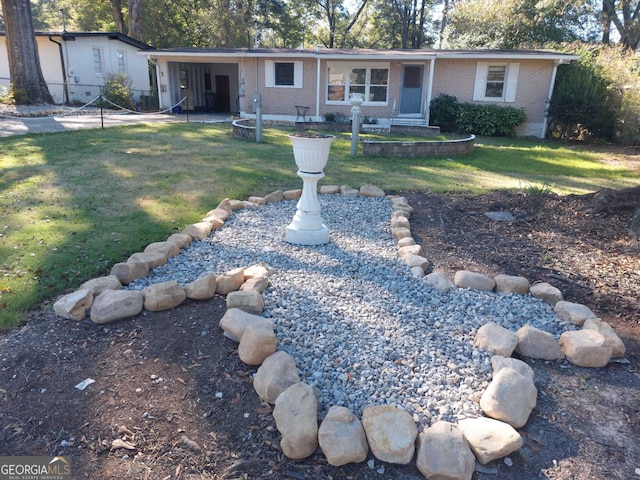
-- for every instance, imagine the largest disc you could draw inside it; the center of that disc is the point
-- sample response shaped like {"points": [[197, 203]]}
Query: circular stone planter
{"points": [[419, 149]]}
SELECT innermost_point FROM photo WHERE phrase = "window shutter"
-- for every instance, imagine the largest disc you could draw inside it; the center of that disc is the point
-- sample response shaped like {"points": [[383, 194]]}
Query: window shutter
{"points": [[269, 80], [480, 84], [297, 74], [512, 82]]}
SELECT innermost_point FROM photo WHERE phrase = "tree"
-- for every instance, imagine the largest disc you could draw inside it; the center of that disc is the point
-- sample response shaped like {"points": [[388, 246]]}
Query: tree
{"points": [[135, 19], [27, 81], [339, 21], [625, 16]]}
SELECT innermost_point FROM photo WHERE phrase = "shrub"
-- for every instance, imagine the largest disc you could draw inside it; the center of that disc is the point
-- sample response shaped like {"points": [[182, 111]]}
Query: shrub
{"points": [[443, 111], [6, 96], [117, 89], [489, 120]]}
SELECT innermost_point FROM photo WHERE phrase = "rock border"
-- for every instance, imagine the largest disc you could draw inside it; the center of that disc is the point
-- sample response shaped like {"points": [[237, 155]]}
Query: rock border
{"points": [[444, 448]]}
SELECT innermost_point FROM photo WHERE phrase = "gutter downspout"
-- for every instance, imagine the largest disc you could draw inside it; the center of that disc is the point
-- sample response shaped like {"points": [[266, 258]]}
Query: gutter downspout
{"points": [[317, 88], [155, 62], [545, 120], [65, 87], [432, 64]]}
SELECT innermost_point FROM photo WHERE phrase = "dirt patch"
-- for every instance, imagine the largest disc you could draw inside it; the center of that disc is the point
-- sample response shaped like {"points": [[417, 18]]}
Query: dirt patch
{"points": [[172, 387]]}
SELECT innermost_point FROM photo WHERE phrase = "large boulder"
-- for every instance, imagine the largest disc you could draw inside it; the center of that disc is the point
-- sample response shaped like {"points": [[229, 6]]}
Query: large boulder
{"points": [[490, 439], [152, 259], [538, 344], [610, 336], [127, 272], [510, 397], [498, 362], [586, 348], [342, 438], [511, 284], [296, 417], [574, 313], [257, 343], [100, 284], [439, 281], [230, 281], [235, 321], [444, 454], [248, 300], [74, 305], [277, 373], [496, 339], [112, 305], [202, 288], [163, 296], [391, 433], [371, 191], [546, 292], [473, 280], [169, 249]]}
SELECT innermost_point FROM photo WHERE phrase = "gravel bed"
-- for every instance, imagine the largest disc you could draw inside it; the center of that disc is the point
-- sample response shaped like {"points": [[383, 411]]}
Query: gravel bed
{"points": [[362, 330]]}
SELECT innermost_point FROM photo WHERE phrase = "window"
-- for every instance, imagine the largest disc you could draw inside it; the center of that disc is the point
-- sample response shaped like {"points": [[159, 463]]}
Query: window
{"points": [[496, 82], [345, 80], [283, 74], [97, 61], [122, 61]]}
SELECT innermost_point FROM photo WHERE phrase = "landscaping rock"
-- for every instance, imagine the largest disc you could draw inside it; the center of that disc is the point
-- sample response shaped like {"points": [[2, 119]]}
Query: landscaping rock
{"points": [[226, 206], [586, 348], [490, 439], [444, 454], [498, 362], [168, 249], [296, 417], [258, 284], [230, 281], [510, 397], [257, 200], [611, 338], [274, 197], [371, 191], [347, 190], [412, 260], [400, 232], [406, 242], [214, 222], [277, 373], [198, 231], [202, 288], [163, 296], [535, 343], [152, 259], [417, 272], [113, 305], [575, 313], [240, 204], [248, 300], [511, 284], [474, 281], [439, 281], [400, 221], [391, 433], [74, 306], [496, 339], [545, 292], [258, 270], [342, 438], [235, 321], [181, 240], [257, 342], [100, 284], [413, 249], [330, 189], [127, 272], [219, 213], [292, 194]]}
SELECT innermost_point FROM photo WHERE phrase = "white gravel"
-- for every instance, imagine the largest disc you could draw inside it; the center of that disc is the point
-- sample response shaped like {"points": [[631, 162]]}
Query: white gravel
{"points": [[363, 331]]}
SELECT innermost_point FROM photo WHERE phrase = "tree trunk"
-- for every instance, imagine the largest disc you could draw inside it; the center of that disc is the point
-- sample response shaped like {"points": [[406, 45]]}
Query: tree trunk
{"points": [[116, 8], [25, 72], [135, 19], [606, 24]]}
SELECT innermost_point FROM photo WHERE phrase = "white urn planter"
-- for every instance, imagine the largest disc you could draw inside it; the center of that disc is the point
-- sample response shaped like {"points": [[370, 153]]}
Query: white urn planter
{"points": [[311, 153]]}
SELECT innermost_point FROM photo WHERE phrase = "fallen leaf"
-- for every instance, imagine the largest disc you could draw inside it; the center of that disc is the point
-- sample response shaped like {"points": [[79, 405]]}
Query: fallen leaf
{"points": [[117, 443]]}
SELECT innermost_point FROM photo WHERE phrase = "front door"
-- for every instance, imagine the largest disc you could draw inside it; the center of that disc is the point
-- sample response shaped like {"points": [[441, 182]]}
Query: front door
{"points": [[223, 93], [411, 93]]}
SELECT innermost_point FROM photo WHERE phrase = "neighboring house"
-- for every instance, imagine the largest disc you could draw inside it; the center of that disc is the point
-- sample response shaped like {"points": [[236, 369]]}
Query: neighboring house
{"points": [[76, 64], [397, 85]]}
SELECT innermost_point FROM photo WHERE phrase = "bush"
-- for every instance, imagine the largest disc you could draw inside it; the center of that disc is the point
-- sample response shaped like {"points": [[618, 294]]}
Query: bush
{"points": [[6, 96], [443, 111], [489, 120], [117, 89]]}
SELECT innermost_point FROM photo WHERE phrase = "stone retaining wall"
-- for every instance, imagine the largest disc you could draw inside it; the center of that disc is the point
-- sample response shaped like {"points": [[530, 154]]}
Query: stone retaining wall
{"points": [[442, 148]]}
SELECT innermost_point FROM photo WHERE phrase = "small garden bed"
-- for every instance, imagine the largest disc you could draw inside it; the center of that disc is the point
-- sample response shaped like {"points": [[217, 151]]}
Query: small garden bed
{"points": [[421, 148]]}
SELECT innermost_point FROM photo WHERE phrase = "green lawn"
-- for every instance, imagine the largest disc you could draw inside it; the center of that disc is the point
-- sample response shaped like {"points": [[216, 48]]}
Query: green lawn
{"points": [[72, 204]]}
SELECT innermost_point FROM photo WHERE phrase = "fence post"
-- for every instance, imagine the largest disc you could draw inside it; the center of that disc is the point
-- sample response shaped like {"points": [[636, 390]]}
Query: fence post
{"points": [[101, 114]]}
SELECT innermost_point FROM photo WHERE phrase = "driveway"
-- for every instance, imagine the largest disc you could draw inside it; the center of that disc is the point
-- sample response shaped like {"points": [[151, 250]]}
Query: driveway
{"points": [[23, 125]]}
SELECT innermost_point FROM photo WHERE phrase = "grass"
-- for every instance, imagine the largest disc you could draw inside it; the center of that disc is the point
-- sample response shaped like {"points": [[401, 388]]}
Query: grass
{"points": [[74, 203]]}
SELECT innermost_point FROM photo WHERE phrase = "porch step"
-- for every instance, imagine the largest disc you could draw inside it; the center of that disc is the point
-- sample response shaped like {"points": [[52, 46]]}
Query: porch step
{"points": [[409, 121]]}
